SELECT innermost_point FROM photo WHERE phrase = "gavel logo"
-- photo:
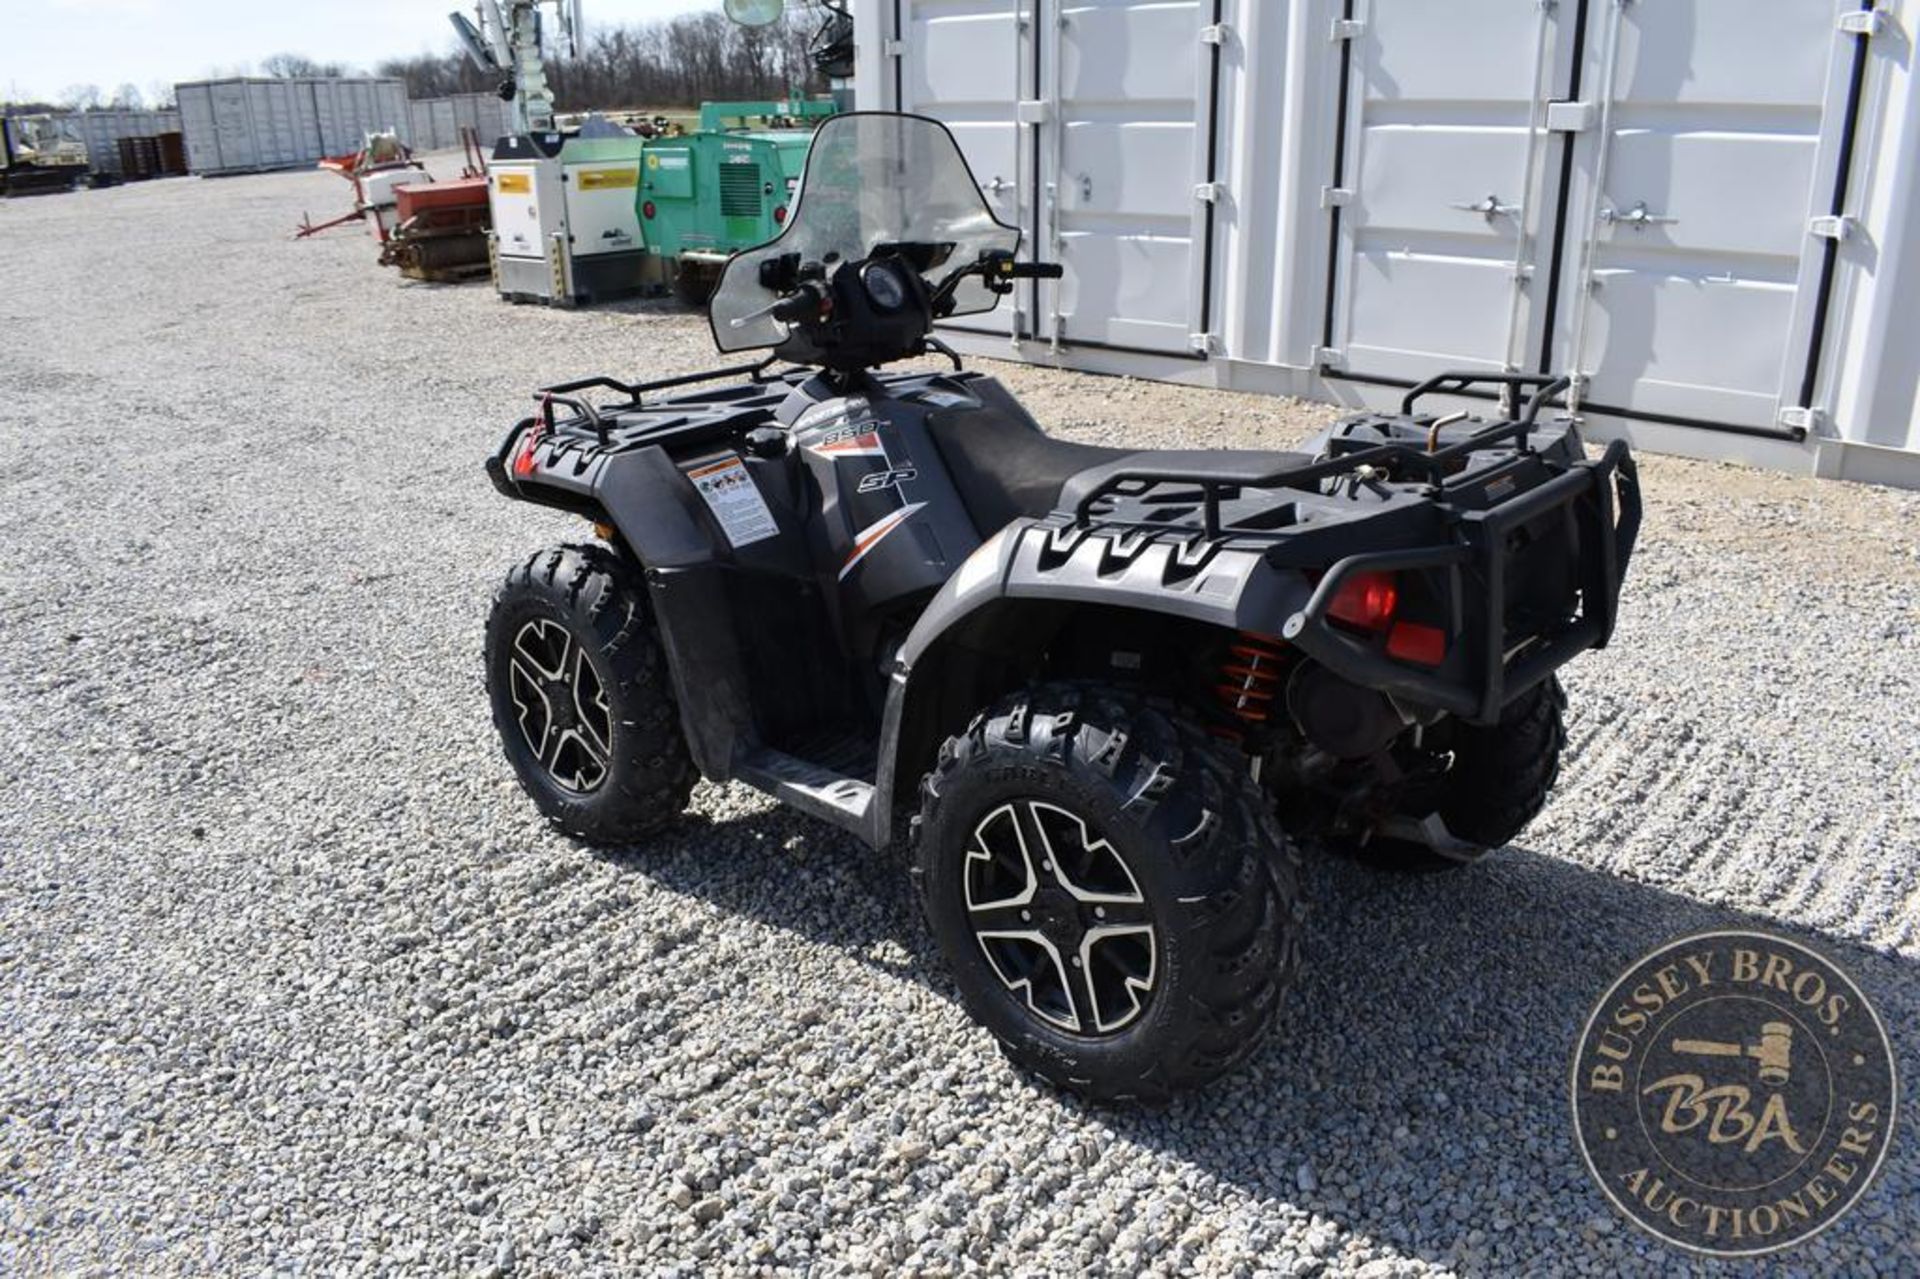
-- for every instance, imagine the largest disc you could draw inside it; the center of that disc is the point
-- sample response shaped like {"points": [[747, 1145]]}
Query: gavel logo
{"points": [[1774, 1052]]}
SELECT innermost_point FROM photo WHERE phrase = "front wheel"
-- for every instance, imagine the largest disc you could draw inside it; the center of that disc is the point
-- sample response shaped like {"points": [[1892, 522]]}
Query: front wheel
{"points": [[1117, 904], [581, 696]]}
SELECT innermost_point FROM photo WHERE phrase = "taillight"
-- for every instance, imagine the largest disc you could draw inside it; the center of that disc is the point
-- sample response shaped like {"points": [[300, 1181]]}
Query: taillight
{"points": [[1365, 600], [647, 210], [523, 460], [1413, 642], [779, 215]]}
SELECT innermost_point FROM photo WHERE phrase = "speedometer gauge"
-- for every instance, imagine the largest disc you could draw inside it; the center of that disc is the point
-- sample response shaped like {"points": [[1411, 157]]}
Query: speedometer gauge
{"points": [[885, 289]]}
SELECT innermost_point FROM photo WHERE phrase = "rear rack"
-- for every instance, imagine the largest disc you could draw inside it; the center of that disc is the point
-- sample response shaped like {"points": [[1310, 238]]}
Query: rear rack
{"points": [[1602, 501], [1433, 463]]}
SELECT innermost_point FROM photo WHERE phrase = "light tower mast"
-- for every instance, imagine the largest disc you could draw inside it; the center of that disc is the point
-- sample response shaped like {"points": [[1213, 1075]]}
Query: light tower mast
{"points": [[506, 38]]}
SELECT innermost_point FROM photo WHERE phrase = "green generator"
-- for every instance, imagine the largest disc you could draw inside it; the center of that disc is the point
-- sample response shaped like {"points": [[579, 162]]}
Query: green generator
{"points": [[705, 195]]}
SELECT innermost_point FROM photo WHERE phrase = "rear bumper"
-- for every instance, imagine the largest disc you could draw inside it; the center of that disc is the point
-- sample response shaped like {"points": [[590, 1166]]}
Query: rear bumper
{"points": [[1601, 498]]}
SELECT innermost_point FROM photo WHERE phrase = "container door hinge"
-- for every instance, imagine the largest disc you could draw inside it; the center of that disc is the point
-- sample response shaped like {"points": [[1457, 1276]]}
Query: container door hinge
{"points": [[1335, 197], [1863, 22], [1209, 192], [1804, 421], [1832, 228], [1569, 117], [1203, 343], [1347, 29], [894, 49], [1219, 33], [1031, 111], [1329, 358]]}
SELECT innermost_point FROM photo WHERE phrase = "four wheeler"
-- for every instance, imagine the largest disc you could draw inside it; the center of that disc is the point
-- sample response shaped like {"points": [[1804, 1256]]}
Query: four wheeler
{"points": [[1112, 693]]}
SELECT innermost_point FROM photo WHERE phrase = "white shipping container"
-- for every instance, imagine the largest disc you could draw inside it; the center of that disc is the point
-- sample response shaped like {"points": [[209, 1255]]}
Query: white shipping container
{"points": [[437, 121], [249, 125], [1704, 210], [102, 131], [487, 114]]}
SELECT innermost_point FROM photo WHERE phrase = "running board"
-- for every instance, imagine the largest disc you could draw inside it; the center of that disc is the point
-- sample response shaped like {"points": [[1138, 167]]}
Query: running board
{"points": [[813, 789]]}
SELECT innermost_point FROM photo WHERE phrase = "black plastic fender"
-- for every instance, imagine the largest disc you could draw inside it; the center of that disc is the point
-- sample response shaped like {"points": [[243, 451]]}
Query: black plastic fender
{"points": [[1050, 562], [1117, 568]]}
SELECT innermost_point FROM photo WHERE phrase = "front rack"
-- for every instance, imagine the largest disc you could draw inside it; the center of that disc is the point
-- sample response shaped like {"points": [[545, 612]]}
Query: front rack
{"points": [[564, 393], [1214, 487]]}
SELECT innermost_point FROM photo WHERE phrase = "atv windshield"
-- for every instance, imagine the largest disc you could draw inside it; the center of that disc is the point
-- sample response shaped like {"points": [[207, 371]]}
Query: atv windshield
{"points": [[871, 178]]}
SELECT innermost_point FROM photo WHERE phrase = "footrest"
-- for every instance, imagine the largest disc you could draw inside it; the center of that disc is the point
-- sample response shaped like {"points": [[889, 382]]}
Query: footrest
{"points": [[812, 788]]}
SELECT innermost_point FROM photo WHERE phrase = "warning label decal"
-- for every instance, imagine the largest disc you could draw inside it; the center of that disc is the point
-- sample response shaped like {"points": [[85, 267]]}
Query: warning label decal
{"points": [[734, 499]]}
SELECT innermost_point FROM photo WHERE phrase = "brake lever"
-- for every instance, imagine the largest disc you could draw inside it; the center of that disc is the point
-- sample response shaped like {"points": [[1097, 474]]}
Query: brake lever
{"points": [[789, 309], [742, 321]]}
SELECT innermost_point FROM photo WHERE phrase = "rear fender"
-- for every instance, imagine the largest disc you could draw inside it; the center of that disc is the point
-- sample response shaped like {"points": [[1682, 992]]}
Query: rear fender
{"points": [[1003, 606], [1116, 568]]}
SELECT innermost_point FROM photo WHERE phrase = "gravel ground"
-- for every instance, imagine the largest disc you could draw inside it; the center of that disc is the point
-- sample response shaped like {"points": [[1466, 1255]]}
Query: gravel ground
{"points": [[292, 978]]}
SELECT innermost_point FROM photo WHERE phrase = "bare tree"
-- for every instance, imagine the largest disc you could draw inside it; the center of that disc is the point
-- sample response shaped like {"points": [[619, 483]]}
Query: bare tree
{"points": [[289, 66], [127, 98], [81, 97], [676, 63]]}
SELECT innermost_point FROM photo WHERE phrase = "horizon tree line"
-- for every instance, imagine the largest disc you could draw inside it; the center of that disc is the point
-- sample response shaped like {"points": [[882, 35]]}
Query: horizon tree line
{"points": [[673, 62]]}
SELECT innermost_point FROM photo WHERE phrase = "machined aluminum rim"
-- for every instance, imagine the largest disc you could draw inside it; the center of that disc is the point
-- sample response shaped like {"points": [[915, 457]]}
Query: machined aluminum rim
{"points": [[1060, 917], [561, 705]]}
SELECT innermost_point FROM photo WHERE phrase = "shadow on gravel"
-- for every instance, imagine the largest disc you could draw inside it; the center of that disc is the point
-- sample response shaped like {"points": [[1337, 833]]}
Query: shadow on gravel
{"points": [[1415, 1087]]}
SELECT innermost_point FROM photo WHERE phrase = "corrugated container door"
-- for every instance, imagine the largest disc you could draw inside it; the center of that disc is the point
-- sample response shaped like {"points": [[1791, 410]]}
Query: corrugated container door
{"points": [[199, 133], [1439, 197], [1717, 144], [1127, 136], [305, 102], [102, 140], [392, 97], [353, 110], [342, 137], [964, 64], [292, 103], [233, 119], [267, 104]]}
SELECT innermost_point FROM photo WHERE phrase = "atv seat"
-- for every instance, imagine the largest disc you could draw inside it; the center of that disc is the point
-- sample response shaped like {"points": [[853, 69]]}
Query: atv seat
{"points": [[1005, 467]]}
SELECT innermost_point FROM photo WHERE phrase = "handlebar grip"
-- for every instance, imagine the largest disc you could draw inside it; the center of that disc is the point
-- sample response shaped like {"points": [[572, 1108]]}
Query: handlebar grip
{"points": [[1034, 271], [804, 302]]}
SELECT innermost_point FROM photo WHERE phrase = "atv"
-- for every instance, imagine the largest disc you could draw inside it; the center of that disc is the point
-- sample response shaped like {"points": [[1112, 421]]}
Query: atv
{"points": [[1111, 695]]}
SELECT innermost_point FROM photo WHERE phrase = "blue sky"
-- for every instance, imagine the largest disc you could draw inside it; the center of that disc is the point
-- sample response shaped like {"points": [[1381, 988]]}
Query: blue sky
{"points": [[47, 45]]}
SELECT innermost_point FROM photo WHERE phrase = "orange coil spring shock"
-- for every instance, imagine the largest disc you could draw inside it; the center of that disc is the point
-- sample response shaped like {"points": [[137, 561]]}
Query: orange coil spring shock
{"points": [[1250, 677]]}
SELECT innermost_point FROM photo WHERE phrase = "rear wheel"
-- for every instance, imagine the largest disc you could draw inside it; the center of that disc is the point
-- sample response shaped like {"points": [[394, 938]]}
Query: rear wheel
{"points": [[1118, 905], [1497, 783], [581, 697]]}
